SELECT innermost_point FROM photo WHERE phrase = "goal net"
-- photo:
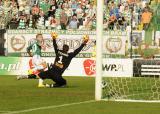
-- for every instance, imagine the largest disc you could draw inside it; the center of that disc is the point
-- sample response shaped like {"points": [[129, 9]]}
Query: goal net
{"points": [[145, 85], [130, 66], [125, 77]]}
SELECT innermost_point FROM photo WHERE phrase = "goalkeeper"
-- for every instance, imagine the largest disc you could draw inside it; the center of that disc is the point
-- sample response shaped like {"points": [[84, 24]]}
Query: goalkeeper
{"points": [[62, 61]]}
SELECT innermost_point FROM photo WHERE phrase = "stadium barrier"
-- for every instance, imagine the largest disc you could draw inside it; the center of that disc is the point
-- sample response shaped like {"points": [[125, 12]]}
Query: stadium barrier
{"points": [[115, 41], [20, 66], [117, 67], [146, 68], [78, 66], [150, 70], [83, 65]]}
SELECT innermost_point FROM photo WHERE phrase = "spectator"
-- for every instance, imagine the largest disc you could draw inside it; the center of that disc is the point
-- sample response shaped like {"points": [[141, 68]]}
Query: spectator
{"points": [[147, 7], [63, 6], [88, 23], [41, 20], [58, 13], [53, 23], [45, 7], [35, 10], [121, 23], [53, 8], [35, 14], [112, 21], [121, 8], [87, 4], [33, 2], [130, 2], [13, 23], [30, 22], [146, 18], [127, 14], [114, 10], [69, 12], [74, 6], [6, 6], [63, 20], [105, 26], [21, 5], [73, 23], [15, 10], [93, 22], [27, 9], [144, 3], [60, 1], [79, 13], [128, 28], [47, 24], [139, 12], [22, 22], [69, 2], [91, 11]]}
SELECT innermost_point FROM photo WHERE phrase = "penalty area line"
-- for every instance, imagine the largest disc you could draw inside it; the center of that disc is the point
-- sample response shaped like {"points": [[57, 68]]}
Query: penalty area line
{"points": [[49, 107]]}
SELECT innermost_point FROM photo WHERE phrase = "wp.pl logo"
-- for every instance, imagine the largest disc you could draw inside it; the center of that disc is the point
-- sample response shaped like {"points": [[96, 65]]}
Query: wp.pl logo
{"points": [[89, 67]]}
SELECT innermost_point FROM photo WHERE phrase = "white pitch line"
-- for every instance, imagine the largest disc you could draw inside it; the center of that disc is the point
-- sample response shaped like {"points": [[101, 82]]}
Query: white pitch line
{"points": [[48, 107]]}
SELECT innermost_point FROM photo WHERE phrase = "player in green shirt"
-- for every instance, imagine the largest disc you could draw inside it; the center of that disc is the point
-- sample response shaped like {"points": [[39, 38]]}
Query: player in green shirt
{"points": [[35, 47], [34, 51]]}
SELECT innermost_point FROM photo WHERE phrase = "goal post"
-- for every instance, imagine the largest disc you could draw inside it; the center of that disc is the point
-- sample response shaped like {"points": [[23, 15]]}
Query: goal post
{"points": [[99, 38]]}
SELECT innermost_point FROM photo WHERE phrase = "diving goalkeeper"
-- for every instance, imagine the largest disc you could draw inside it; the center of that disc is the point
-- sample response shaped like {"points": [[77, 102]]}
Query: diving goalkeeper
{"points": [[62, 61]]}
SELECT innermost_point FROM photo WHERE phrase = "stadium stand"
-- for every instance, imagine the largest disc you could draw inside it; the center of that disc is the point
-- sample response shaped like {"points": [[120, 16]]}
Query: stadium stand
{"points": [[78, 14], [42, 14]]}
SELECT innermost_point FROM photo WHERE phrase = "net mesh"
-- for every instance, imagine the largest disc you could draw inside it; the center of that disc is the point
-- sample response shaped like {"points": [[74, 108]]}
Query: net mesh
{"points": [[141, 88], [137, 79]]}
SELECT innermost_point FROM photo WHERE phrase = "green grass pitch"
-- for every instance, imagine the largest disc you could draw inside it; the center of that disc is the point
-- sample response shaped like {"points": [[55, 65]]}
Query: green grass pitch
{"points": [[24, 97]]}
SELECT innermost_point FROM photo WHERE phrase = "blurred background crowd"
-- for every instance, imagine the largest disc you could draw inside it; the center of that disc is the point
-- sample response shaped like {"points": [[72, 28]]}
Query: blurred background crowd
{"points": [[74, 14]]}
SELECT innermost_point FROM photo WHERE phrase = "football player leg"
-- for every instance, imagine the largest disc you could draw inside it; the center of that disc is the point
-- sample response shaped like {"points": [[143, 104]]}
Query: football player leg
{"points": [[39, 64], [31, 74], [60, 81], [54, 76]]}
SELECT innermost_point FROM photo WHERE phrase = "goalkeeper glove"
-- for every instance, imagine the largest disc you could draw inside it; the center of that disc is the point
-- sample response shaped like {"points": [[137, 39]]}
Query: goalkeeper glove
{"points": [[85, 39], [54, 35]]}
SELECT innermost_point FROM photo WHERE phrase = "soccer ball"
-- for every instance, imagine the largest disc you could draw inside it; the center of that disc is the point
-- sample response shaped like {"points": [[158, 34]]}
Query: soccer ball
{"points": [[104, 84]]}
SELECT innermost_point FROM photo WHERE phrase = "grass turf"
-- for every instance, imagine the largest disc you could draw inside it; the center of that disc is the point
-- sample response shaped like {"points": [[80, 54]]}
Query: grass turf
{"points": [[24, 94]]}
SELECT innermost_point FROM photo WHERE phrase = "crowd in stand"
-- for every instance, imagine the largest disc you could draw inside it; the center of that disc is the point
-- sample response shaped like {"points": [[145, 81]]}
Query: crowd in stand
{"points": [[75, 14], [135, 13]]}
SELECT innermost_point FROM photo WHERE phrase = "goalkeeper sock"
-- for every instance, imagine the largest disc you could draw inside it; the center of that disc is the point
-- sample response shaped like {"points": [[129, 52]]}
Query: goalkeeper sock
{"points": [[40, 81]]}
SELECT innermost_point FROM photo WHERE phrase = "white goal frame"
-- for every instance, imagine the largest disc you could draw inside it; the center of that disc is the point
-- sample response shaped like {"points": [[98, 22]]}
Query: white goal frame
{"points": [[99, 35]]}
